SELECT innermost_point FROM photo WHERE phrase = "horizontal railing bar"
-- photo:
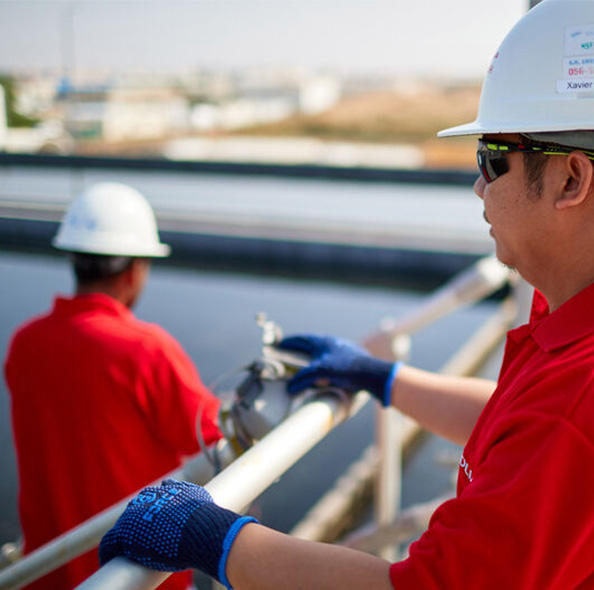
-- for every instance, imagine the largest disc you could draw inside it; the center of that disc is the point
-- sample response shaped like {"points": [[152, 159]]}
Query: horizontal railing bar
{"points": [[407, 524], [482, 279], [481, 345]]}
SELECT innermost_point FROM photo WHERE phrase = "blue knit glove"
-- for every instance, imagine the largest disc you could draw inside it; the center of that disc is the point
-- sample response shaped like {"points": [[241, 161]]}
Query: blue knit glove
{"points": [[174, 527], [342, 364]]}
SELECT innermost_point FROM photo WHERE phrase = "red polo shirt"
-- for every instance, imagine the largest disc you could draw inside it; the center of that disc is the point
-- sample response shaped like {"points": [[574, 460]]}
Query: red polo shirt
{"points": [[102, 404], [523, 517]]}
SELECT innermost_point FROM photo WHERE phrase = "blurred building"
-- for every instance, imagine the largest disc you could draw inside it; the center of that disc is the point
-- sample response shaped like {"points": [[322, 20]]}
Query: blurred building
{"points": [[123, 113], [266, 99], [47, 137]]}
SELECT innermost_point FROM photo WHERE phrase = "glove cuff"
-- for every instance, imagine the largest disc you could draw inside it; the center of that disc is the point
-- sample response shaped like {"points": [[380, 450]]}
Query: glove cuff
{"points": [[227, 543], [386, 400], [207, 538]]}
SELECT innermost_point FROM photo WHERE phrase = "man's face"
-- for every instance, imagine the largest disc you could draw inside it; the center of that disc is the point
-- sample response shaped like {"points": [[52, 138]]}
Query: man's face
{"points": [[517, 215]]}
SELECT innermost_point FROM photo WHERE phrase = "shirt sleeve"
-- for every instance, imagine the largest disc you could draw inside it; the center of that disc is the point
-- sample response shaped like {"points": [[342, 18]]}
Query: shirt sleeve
{"points": [[526, 520], [176, 399]]}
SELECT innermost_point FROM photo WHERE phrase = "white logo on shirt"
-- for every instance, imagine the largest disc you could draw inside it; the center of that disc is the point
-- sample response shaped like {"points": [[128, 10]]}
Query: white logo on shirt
{"points": [[466, 468]]}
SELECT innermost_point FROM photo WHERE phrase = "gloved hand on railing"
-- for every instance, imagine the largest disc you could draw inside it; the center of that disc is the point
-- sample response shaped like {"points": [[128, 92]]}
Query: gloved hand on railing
{"points": [[174, 527], [342, 364]]}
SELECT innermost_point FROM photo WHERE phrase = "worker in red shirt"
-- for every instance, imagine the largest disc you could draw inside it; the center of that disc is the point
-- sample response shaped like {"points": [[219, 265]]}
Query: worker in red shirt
{"points": [[102, 403], [523, 515]]}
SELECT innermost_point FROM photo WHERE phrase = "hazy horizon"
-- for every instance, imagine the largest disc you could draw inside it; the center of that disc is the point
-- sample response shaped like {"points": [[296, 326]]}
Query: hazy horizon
{"points": [[395, 37]]}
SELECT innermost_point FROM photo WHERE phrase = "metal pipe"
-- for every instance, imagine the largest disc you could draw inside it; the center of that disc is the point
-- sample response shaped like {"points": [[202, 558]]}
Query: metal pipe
{"points": [[470, 358], [480, 280], [87, 535], [243, 481]]}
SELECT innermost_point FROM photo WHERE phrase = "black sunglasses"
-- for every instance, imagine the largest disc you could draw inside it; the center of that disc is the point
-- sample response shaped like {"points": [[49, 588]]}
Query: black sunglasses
{"points": [[492, 160]]}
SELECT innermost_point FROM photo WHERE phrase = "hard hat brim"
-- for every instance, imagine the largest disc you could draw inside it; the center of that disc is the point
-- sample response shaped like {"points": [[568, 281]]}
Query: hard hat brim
{"points": [[106, 249], [467, 129], [477, 128]]}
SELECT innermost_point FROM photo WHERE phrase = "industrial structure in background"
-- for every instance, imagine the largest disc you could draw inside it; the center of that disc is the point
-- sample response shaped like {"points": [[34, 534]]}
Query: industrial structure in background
{"points": [[129, 108]]}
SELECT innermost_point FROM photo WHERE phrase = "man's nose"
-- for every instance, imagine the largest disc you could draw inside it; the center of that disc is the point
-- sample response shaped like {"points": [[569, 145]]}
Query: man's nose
{"points": [[479, 186]]}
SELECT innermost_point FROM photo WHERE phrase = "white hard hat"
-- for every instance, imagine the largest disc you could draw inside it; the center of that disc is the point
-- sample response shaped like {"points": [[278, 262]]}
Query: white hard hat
{"points": [[542, 77], [113, 219]]}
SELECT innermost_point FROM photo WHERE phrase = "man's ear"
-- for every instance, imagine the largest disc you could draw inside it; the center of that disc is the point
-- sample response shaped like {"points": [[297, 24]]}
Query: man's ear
{"points": [[578, 180], [127, 275], [137, 269]]}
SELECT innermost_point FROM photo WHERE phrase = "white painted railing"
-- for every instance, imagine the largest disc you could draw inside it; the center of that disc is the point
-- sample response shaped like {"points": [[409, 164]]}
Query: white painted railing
{"points": [[243, 481], [87, 535]]}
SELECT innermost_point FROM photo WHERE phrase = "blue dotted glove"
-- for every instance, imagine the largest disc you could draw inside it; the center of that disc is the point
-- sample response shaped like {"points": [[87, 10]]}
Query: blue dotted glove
{"points": [[342, 364], [174, 527]]}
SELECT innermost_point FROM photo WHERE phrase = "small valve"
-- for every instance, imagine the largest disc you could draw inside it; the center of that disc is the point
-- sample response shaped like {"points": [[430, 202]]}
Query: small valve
{"points": [[261, 402], [272, 334]]}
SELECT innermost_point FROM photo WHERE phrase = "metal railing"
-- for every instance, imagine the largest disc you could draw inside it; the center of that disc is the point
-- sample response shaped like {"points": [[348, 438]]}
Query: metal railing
{"points": [[243, 481], [331, 517], [87, 535], [312, 421], [481, 279], [393, 343], [262, 464]]}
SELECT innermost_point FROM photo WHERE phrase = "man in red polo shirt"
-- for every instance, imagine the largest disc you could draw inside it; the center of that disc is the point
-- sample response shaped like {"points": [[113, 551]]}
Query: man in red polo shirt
{"points": [[523, 515], [102, 403]]}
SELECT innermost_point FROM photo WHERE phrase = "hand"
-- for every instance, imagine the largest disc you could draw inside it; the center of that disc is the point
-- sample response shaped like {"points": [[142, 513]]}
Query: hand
{"points": [[174, 527], [342, 364]]}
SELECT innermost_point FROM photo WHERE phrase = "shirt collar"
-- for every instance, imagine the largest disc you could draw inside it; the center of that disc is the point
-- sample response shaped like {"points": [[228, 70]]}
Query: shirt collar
{"points": [[570, 322], [90, 302]]}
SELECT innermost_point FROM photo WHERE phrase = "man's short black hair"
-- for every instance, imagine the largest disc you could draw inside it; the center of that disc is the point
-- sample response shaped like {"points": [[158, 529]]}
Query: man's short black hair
{"points": [[534, 165], [90, 268]]}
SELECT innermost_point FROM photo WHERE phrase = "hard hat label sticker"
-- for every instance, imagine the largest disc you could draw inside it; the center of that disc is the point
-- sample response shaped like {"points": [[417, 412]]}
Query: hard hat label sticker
{"points": [[579, 40], [579, 67], [578, 61], [575, 85]]}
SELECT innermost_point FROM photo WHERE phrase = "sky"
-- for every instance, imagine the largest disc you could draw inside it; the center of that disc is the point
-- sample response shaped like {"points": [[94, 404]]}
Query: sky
{"points": [[420, 38]]}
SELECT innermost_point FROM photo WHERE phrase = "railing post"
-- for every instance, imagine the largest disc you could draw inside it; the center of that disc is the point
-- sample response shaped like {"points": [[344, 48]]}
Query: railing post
{"points": [[388, 484], [389, 475]]}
